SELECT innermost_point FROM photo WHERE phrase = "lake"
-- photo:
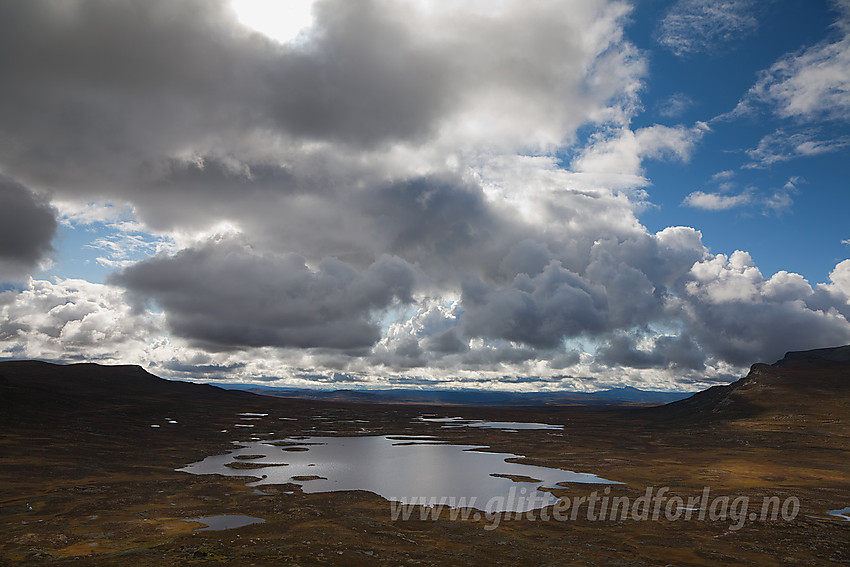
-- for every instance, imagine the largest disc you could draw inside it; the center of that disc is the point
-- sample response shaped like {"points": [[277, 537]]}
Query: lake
{"points": [[400, 468]]}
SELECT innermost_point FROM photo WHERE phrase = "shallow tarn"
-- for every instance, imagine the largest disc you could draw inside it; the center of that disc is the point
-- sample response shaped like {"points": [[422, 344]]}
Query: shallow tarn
{"points": [[399, 468], [224, 522], [478, 423]]}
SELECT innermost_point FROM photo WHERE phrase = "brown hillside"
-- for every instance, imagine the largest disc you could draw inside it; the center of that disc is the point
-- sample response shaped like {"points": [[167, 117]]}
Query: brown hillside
{"points": [[812, 383]]}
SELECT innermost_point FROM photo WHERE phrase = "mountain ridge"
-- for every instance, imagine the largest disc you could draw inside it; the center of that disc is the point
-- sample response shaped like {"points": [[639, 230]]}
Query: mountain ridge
{"points": [[137, 380], [813, 383], [614, 396]]}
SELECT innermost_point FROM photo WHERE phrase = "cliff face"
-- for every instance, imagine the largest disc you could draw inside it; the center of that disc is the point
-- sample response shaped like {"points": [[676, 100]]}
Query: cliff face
{"points": [[813, 383]]}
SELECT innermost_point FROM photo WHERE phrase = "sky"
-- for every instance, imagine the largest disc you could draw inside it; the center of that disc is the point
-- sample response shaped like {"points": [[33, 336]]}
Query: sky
{"points": [[501, 194]]}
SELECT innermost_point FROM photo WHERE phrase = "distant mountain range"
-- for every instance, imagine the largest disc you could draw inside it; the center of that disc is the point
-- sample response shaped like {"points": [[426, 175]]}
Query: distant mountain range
{"points": [[810, 383], [616, 396]]}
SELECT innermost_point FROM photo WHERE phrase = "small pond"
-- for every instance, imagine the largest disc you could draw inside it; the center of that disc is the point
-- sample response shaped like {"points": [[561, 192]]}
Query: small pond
{"points": [[225, 522], [508, 425]]}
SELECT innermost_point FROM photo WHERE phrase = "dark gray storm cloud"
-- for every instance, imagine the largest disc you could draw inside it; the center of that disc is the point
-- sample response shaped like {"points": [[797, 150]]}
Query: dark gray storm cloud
{"points": [[119, 84], [224, 294], [449, 341], [363, 80], [678, 352], [441, 223], [538, 311], [27, 227], [94, 90], [741, 331], [617, 283]]}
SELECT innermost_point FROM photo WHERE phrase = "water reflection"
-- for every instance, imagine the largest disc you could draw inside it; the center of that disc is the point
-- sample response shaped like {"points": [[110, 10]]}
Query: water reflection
{"points": [[225, 522], [507, 425], [399, 468]]}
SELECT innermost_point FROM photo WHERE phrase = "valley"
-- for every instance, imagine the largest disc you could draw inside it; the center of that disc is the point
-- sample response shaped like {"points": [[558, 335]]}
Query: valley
{"points": [[87, 480]]}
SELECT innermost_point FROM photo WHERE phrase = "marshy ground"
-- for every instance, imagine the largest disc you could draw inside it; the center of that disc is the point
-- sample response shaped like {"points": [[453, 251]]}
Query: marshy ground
{"points": [[98, 487]]}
